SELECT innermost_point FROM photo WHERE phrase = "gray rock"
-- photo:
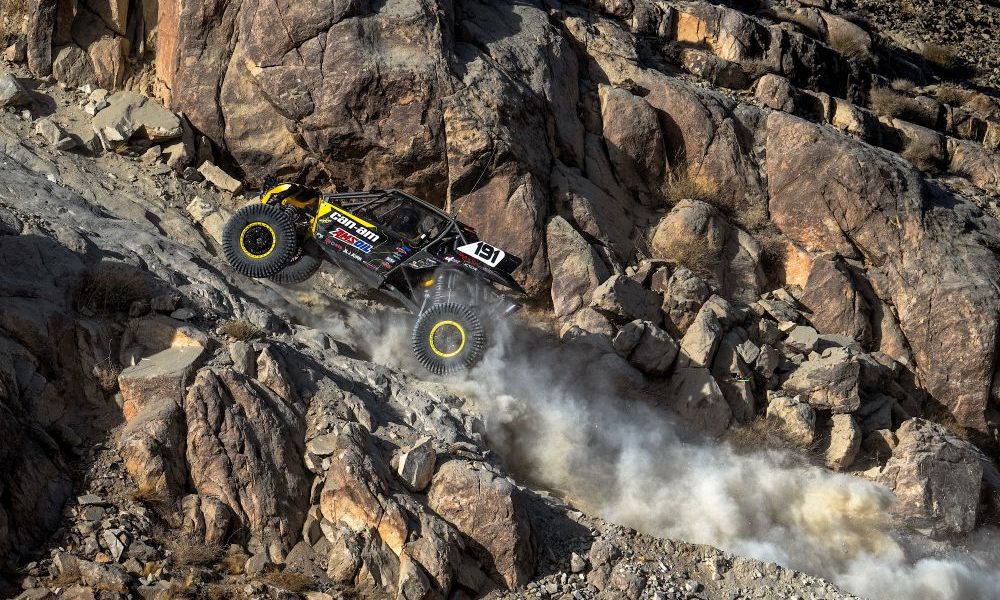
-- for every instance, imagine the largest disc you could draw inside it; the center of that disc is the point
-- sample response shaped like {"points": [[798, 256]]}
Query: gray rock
{"points": [[880, 444], [416, 465], [73, 67], [129, 113], [828, 383], [576, 267], [802, 339], [53, 134], [702, 339], [937, 478], [684, 294], [621, 299], [104, 577], [844, 442], [12, 93], [257, 564], [244, 358], [796, 418], [698, 400], [646, 347], [781, 311], [219, 178]]}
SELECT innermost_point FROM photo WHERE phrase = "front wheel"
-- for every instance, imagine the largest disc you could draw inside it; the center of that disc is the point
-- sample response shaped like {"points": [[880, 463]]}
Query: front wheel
{"points": [[301, 268], [448, 338], [259, 240]]}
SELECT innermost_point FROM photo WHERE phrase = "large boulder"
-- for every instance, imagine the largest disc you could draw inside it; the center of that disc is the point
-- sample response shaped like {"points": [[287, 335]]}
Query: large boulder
{"points": [[836, 299], [796, 419], [576, 268], [843, 442], [698, 400], [937, 478], [489, 510], [244, 447], [683, 295], [696, 235], [73, 67], [635, 143], [829, 193], [129, 113]]}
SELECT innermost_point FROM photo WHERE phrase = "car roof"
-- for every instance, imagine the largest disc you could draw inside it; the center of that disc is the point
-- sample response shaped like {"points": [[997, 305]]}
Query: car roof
{"points": [[379, 194]]}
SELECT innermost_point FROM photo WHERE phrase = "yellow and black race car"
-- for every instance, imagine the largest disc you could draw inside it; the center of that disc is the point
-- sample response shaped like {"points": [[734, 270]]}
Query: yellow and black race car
{"points": [[431, 263]]}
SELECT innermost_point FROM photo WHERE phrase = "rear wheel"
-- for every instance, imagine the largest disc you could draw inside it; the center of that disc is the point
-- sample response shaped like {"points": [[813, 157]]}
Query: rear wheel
{"points": [[302, 267], [448, 338], [259, 240]]}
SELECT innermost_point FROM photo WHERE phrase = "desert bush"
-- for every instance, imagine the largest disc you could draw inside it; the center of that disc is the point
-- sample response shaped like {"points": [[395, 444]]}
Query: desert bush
{"points": [[940, 56], [111, 288], [188, 551], [235, 560], [288, 580], [851, 44], [762, 434], [772, 259], [952, 95], [683, 186], [901, 84], [922, 156], [239, 329], [887, 101], [698, 254], [106, 373]]}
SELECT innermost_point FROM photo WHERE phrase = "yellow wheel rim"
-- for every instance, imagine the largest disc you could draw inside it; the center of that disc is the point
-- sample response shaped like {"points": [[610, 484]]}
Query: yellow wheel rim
{"points": [[437, 327], [251, 249]]}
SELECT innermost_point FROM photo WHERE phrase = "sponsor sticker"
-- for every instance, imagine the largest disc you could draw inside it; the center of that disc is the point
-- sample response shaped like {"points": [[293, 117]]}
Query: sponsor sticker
{"points": [[355, 228], [348, 238], [484, 253]]}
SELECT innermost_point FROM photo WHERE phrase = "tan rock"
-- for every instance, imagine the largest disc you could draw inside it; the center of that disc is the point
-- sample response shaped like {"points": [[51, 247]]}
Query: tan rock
{"points": [[219, 178], [844, 442], [576, 268], [161, 375], [795, 418], [634, 141], [108, 58], [489, 510]]}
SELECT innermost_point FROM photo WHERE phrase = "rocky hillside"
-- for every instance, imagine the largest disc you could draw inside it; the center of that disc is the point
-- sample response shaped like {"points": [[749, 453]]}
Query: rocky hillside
{"points": [[770, 226]]}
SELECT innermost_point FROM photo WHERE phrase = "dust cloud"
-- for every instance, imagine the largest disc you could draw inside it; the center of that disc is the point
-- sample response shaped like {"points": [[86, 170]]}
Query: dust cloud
{"points": [[554, 411]]}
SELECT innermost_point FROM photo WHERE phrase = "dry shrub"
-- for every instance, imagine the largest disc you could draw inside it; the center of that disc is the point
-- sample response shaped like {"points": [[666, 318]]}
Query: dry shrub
{"points": [[697, 254], [922, 156], [111, 289], [235, 560], [189, 551], [941, 56], [763, 434], [223, 591], [683, 186], [887, 101], [66, 578], [288, 580], [106, 373], [772, 259], [239, 329], [952, 95], [901, 84], [851, 44], [155, 498]]}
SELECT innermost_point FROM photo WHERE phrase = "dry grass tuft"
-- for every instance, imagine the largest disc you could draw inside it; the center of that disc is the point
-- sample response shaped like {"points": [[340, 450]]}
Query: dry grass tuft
{"points": [[850, 44], [288, 580], [111, 289], [239, 329], [106, 373], [686, 187], [922, 156], [763, 434], [772, 259], [222, 591], [697, 254], [887, 101], [188, 551], [940, 56], [901, 84], [157, 499], [235, 560], [952, 95]]}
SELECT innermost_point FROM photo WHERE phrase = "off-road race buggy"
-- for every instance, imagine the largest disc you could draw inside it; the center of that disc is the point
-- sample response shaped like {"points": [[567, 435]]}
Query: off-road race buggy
{"points": [[421, 256]]}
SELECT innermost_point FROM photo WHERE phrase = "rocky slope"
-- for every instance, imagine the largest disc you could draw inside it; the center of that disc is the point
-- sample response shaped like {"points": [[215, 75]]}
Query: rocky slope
{"points": [[773, 223]]}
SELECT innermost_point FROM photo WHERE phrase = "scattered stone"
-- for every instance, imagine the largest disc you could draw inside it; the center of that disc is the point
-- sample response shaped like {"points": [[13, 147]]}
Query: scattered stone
{"points": [[212, 219], [129, 113], [828, 383], [796, 418], [219, 178], [152, 155], [577, 563], [416, 465], [257, 564], [53, 134], [646, 347], [802, 339], [12, 93], [844, 444], [104, 577], [182, 314]]}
